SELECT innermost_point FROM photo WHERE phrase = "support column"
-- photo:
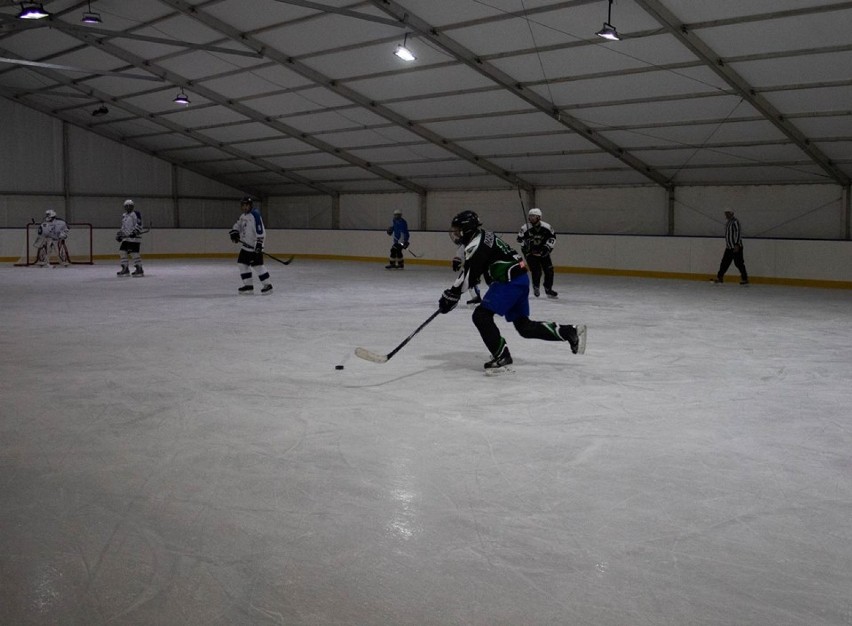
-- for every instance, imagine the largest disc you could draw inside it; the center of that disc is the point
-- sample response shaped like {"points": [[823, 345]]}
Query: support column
{"points": [[847, 211], [66, 173], [423, 210], [335, 211], [670, 197], [175, 197]]}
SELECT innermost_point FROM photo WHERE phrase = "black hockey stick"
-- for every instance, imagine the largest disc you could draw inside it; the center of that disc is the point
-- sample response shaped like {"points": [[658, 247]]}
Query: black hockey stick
{"points": [[416, 256], [367, 355], [287, 262]]}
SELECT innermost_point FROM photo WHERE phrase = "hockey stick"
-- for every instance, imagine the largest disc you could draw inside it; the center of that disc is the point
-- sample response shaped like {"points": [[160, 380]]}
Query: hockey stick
{"points": [[367, 355], [287, 262], [416, 256]]}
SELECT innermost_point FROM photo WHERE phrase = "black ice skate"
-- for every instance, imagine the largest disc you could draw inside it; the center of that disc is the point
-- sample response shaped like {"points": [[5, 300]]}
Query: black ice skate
{"points": [[475, 300], [392, 266], [246, 290], [575, 336], [137, 272], [267, 289], [536, 292], [124, 272], [500, 363], [550, 293]]}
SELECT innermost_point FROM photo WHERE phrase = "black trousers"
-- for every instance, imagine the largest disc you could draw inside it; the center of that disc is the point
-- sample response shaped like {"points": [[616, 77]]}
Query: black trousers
{"points": [[395, 252], [735, 255], [541, 265]]}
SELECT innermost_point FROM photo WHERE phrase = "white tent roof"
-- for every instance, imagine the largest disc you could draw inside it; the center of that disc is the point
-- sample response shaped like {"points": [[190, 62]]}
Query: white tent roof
{"points": [[293, 97]]}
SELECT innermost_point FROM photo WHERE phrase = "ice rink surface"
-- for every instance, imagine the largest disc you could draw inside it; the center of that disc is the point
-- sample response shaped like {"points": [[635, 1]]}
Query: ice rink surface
{"points": [[173, 453]]}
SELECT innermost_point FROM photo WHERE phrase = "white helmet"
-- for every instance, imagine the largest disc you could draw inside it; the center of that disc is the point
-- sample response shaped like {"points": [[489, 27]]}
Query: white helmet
{"points": [[50, 214], [535, 212], [128, 203]]}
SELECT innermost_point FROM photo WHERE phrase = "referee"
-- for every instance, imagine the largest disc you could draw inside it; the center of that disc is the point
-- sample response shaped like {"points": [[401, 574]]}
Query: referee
{"points": [[733, 250]]}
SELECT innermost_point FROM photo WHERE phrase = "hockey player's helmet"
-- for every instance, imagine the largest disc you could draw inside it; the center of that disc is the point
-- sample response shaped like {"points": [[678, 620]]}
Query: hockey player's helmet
{"points": [[463, 227], [534, 213], [128, 205], [247, 203], [49, 215]]}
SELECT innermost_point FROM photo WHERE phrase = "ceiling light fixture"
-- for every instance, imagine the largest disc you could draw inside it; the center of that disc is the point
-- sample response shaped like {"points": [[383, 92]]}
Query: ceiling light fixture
{"points": [[32, 12], [608, 31], [181, 98], [403, 52], [90, 17], [100, 111]]}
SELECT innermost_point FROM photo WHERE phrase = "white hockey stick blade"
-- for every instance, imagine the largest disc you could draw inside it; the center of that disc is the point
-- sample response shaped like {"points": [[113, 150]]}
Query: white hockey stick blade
{"points": [[581, 336], [367, 355]]}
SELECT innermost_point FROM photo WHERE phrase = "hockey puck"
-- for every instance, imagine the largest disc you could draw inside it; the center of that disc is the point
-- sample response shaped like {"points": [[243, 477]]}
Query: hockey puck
{"points": [[338, 367]]}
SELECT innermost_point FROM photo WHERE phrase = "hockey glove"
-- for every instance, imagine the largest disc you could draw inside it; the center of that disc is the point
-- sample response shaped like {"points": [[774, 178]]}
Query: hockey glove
{"points": [[119, 236], [135, 232], [448, 301], [389, 231], [457, 264], [258, 248], [404, 244], [235, 236]]}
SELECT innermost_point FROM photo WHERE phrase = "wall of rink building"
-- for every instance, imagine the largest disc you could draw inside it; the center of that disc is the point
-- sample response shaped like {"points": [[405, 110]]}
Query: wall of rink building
{"points": [[817, 263]]}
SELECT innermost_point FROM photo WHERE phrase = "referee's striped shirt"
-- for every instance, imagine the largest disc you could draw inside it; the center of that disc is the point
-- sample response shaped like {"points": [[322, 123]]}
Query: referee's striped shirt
{"points": [[732, 233]]}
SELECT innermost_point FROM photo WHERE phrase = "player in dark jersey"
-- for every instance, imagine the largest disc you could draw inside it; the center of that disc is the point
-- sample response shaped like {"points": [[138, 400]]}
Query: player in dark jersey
{"points": [[489, 258]]}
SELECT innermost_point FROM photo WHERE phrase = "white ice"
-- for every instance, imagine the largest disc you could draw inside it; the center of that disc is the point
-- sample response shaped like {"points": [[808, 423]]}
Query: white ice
{"points": [[173, 453]]}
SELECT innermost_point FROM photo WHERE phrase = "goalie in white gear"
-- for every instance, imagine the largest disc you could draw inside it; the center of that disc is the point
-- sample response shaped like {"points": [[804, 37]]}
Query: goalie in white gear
{"points": [[250, 232], [130, 238], [52, 233]]}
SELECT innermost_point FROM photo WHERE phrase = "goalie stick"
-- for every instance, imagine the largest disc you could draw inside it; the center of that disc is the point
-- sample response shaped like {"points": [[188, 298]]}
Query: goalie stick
{"points": [[287, 262], [368, 355]]}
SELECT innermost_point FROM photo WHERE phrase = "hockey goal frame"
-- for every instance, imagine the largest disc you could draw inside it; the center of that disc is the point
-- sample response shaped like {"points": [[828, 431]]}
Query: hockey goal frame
{"points": [[78, 248]]}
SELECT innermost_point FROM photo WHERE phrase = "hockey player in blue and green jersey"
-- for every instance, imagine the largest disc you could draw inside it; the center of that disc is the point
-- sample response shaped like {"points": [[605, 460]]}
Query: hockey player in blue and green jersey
{"points": [[488, 257]]}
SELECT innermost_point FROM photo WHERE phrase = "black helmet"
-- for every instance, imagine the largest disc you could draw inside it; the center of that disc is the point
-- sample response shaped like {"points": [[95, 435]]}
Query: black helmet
{"points": [[464, 227], [247, 200]]}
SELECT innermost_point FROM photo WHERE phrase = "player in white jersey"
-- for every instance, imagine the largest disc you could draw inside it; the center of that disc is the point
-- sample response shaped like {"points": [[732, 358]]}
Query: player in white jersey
{"points": [[250, 232], [130, 238], [52, 233]]}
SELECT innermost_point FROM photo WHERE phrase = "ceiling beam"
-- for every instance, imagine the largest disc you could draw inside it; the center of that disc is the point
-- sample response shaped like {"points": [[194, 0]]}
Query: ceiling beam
{"points": [[249, 113], [114, 34], [708, 56], [168, 124], [324, 8], [329, 83], [478, 64]]}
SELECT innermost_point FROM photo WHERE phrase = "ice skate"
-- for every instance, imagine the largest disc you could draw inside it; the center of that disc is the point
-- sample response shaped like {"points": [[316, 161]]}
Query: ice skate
{"points": [[744, 281], [575, 336], [246, 290], [267, 289], [550, 293], [474, 300], [123, 272], [500, 364], [716, 281], [137, 272], [536, 292], [391, 266]]}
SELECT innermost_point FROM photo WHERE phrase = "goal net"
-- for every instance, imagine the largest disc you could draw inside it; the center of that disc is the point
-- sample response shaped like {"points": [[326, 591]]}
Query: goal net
{"points": [[76, 249]]}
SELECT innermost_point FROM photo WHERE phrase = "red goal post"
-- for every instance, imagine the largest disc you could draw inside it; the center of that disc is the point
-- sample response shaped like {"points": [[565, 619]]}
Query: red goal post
{"points": [[78, 245]]}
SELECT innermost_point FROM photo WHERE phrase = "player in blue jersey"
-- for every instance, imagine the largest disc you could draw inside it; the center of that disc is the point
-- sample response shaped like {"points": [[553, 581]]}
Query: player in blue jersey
{"points": [[399, 231], [488, 257], [249, 231]]}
